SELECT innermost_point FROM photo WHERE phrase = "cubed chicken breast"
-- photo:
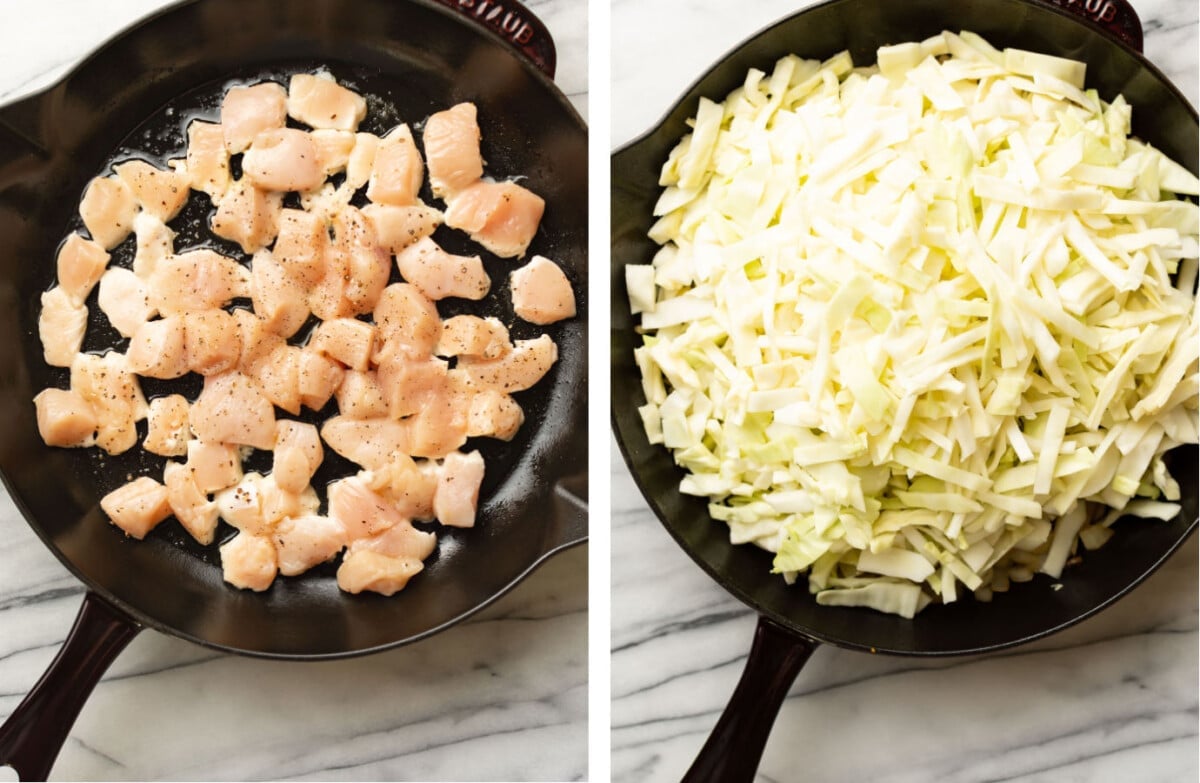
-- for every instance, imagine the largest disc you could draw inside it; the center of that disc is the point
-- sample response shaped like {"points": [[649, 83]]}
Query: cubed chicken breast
{"points": [[307, 541], [439, 274], [62, 323], [519, 369], [108, 209], [362, 511], [397, 171], [367, 571], [398, 227], [65, 418], [300, 247], [320, 377], [195, 512], [214, 466], [126, 300], [137, 507], [361, 160], [232, 409], [207, 163], [333, 149], [371, 443], [159, 192], [280, 300], [155, 241], [361, 396], [457, 494], [278, 503], [408, 319], [248, 111], [283, 159], [347, 340], [80, 264], [113, 392], [258, 341], [241, 505], [248, 562], [501, 216], [494, 414], [198, 279], [212, 341], [158, 349], [319, 101], [248, 216], [437, 430], [541, 292], [452, 148], [278, 376], [327, 297], [410, 385], [398, 540], [168, 432], [298, 454], [369, 265], [470, 335], [408, 484]]}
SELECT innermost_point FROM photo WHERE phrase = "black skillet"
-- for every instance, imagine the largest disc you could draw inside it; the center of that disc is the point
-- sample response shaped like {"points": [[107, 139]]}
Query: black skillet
{"points": [[791, 624], [135, 95]]}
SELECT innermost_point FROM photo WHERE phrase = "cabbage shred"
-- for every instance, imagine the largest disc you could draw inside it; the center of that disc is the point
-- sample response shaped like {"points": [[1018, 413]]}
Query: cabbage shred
{"points": [[922, 326]]}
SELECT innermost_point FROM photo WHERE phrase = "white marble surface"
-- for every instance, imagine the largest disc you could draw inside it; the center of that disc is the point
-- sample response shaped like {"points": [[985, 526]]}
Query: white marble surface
{"points": [[1113, 699], [500, 697]]}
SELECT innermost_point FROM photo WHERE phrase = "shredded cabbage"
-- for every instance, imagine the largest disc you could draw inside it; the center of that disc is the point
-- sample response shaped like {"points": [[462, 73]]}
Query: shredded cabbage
{"points": [[920, 324]]}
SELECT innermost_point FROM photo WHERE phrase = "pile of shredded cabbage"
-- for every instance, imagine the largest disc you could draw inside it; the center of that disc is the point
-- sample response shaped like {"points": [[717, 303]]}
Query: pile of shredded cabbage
{"points": [[922, 325]]}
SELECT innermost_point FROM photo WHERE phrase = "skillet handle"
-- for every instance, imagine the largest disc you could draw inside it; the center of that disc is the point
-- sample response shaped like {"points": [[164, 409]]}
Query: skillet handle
{"points": [[1117, 17], [570, 511], [735, 746], [516, 24], [32, 736]]}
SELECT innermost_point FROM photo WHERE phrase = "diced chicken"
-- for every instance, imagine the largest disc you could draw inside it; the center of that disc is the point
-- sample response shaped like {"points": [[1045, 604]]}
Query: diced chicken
{"points": [[207, 164], [113, 392], [519, 369], [326, 201], [258, 341], [196, 280], [470, 335], [362, 511], [108, 209], [125, 299], [361, 396], [61, 326], [439, 429], [214, 466], [410, 486], [494, 414], [365, 570], [212, 340], [368, 264], [155, 241], [410, 385], [168, 432], [327, 297], [361, 161], [333, 149], [347, 340], [248, 111], [501, 216], [439, 274], [398, 227], [279, 504], [397, 170], [248, 215], [241, 505], [80, 264], [283, 159], [408, 319], [307, 541], [401, 540], [232, 409], [541, 292], [159, 192], [65, 418], [298, 454], [195, 512], [371, 443], [319, 101], [137, 507], [300, 247], [452, 148], [279, 299], [320, 377], [278, 376], [158, 349], [249, 562], [458, 489]]}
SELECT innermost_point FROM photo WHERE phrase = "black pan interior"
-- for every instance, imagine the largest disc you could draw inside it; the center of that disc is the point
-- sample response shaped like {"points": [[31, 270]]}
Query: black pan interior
{"points": [[1161, 115], [135, 97]]}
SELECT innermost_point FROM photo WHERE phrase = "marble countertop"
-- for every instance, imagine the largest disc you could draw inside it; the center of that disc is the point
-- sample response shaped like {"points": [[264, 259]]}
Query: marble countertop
{"points": [[502, 696], [1114, 698]]}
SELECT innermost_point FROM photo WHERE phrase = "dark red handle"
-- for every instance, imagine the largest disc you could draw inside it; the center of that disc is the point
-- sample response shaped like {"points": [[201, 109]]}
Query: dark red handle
{"points": [[516, 24], [735, 746], [32, 736], [1115, 16]]}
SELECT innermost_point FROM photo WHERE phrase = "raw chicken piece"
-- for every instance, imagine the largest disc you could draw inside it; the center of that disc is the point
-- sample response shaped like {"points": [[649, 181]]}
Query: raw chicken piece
{"points": [[470, 335], [232, 409], [159, 192], [333, 149], [397, 170], [195, 512], [298, 454], [439, 274], [364, 570], [347, 340], [155, 241], [327, 297], [196, 280], [401, 540], [494, 414], [108, 209], [541, 293], [300, 247], [307, 541], [371, 443], [137, 506], [319, 101], [212, 340], [241, 505], [361, 396], [362, 511], [520, 369], [279, 377], [214, 466], [326, 201], [258, 341], [80, 264], [398, 227], [409, 385], [278, 503], [283, 159], [368, 264], [113, 392], [207, 164], [65, 418], [125, 298], [458, 489], [409, 485], [438, 429], [61, 325], [249, 562], [279, 299], [248, 111], [501, 216], [361, 161], [319, 378], [407, 319], [452, 149], [158, 349], [168, 426], [248, 216]]}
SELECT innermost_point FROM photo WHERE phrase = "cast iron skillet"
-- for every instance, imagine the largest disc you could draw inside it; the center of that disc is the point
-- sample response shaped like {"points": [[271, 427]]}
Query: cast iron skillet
{"points": [[134, 94], [791, 624]]}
